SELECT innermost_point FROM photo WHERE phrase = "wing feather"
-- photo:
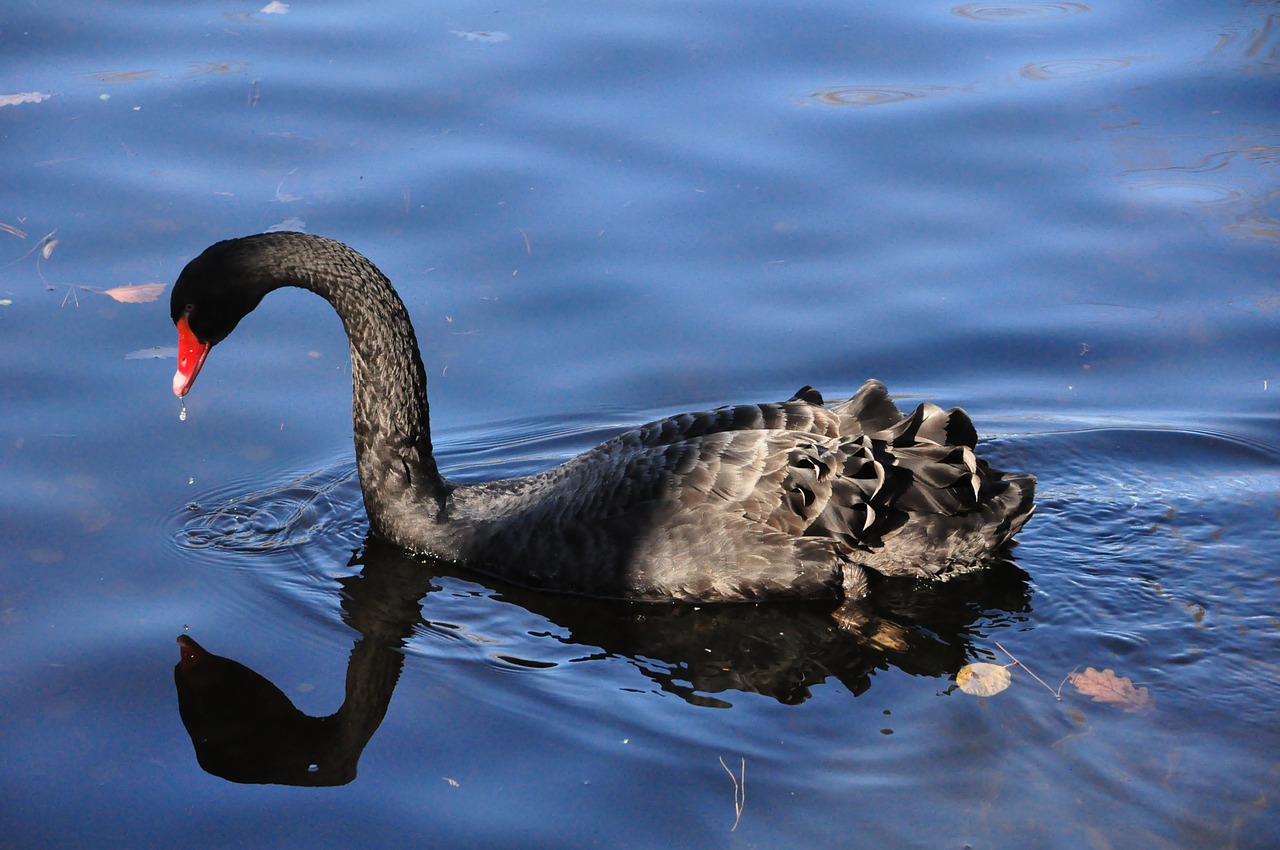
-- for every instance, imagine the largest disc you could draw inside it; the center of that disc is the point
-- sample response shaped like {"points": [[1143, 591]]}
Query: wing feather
{"points": [[749, 501]]}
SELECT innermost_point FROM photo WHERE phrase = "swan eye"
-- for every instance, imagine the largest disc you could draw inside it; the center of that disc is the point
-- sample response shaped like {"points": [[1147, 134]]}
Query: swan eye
{"points": [[189, 308]]}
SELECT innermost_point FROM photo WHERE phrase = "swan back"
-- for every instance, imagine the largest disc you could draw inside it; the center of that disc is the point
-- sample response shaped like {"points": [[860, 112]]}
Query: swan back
{"points": [[786, 499]]}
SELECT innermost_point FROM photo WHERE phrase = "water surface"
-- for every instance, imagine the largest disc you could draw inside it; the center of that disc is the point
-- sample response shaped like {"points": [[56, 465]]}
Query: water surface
{"points": [[1061, 215]]}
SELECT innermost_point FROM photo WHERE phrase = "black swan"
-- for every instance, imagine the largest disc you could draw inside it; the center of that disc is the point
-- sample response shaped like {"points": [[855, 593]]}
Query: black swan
{"points": [[789, 499]]}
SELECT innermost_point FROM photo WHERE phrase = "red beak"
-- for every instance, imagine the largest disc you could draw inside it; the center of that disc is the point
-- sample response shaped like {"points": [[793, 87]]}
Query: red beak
{"points": [[191, 355]]}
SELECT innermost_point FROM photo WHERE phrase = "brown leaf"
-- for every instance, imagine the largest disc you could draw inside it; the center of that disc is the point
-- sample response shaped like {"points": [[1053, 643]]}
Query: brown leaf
{"points": [[115, 78], [47, 250], [1115, 690], [138, 293], [196, 68]]}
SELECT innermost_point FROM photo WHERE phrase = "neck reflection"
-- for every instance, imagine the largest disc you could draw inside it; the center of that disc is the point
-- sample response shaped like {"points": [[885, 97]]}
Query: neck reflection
{"points": [[245, 729]]}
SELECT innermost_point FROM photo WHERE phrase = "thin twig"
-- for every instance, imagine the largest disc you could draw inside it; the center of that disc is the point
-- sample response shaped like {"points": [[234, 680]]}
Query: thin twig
{"points": [[1057, 694], [739, 790], [1064, 681], [40, 243]]}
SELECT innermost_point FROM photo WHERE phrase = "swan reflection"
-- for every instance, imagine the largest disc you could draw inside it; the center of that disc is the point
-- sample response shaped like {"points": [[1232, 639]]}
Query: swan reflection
{"points": [[245, 729]]}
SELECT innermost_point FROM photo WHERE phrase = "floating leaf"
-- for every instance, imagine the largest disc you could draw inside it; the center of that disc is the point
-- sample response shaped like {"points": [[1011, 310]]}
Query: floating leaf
{"points": [[159, 352], [197, 68], [293, 223], [1106, 686], [139, 293], [12, 231], [982, 679], [483, 36], [118, 78], [24, 97], [275, 8], [47, 250]]}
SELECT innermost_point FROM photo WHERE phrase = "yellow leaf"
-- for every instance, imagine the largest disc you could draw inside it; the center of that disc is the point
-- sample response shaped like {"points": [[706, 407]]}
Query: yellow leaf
{"points": [[138, 293], [983, 680]]}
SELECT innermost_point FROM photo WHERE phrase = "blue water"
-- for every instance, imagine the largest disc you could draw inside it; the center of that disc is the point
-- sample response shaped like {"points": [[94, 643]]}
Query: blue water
{"points": [[1061, 215]]}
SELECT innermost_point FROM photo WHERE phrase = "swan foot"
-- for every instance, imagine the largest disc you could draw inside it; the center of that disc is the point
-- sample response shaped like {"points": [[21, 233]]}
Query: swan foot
{"points": [[887, 635], [854, 583], [853, 617], [856, 618]]}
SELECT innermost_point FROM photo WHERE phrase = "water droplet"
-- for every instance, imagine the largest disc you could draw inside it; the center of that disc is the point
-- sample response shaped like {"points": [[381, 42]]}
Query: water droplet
{"points": [[313, 768], [182, 414]]}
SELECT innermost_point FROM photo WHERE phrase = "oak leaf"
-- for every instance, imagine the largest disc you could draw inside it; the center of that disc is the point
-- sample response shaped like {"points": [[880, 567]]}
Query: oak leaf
{"points": [[1106, 686]]}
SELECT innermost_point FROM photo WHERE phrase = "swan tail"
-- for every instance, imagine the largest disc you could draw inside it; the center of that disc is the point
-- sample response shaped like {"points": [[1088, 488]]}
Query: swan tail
{"points": [[914, 498]]}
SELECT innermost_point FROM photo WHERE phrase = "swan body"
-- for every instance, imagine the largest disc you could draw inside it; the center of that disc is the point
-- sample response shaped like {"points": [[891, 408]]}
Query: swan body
{"points": [[790, 499]]}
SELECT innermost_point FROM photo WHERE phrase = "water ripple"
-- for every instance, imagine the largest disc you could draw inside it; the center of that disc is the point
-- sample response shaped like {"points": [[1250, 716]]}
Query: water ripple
{"points": [[1065, 69], [1208, 162], [863, 96], [1189, 191], [1003, 12], [324, 503]]}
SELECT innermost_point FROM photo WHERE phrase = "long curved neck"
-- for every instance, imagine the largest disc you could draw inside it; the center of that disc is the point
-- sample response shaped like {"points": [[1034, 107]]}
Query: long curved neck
{"points": [[398, 472]]}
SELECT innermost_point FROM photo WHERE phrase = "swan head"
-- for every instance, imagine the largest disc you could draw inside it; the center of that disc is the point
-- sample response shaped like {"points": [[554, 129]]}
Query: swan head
{"points": [[214, 292]]}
